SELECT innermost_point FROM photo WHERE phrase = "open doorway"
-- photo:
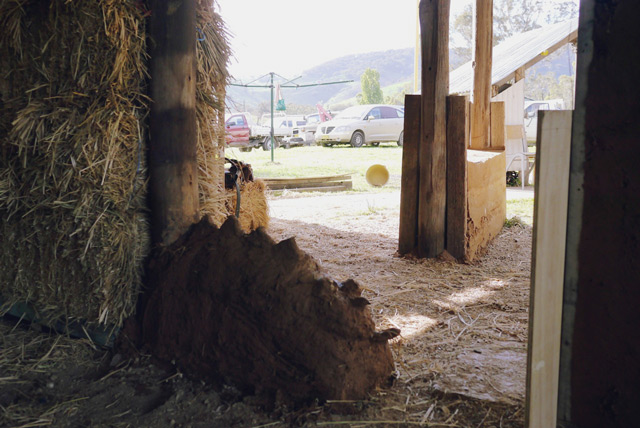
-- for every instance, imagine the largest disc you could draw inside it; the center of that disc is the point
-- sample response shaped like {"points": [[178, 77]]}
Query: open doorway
{"points": [[464, 326]]}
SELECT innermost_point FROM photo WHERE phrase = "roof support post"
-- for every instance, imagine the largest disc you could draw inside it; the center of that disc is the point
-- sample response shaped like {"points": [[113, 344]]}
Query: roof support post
{"points": [[434, 33], [483, 37], [173, 162]]}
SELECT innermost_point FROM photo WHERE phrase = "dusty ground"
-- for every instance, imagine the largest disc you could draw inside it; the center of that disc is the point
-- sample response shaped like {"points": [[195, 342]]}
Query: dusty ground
{"points": [[461, 358]]}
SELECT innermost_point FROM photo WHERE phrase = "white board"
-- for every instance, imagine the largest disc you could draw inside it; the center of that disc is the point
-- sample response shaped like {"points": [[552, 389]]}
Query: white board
{"points": [[547, 268]]}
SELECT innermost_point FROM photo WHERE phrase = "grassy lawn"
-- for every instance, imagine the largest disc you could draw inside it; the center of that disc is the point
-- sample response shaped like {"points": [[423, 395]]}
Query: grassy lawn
{"points": [[520, 209], [319, 161]]}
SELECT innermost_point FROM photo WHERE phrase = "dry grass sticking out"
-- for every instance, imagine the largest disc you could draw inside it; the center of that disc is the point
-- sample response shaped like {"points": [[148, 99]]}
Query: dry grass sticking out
{"points": [[461, 356], [254, 211], [73, 169], [463, 326], [213, 54]]}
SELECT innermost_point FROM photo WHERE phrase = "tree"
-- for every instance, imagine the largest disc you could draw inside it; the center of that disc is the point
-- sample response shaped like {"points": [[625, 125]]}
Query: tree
{"points": [[397, 98], [461, 30], [264, 108], [542, 86], [511, 17], [515, 16], [561, 11], [546, 86], [371, 92]]}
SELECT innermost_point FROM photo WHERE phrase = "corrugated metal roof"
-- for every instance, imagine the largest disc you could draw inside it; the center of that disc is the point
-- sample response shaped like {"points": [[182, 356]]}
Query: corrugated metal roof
{"points": [[521, 50]]}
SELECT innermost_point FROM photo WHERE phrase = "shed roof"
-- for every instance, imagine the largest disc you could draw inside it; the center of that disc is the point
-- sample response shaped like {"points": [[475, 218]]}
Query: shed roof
{"points": [[517, 53]]}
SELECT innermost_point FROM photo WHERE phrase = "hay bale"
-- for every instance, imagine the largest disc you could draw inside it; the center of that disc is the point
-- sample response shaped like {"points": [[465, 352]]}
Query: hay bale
{"points": [[213, 54], [74, 230], [73, 109], [254, 210]]}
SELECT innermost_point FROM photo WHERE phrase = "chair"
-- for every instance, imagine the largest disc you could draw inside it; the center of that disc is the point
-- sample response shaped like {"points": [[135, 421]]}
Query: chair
{"points": [[516, 149]]}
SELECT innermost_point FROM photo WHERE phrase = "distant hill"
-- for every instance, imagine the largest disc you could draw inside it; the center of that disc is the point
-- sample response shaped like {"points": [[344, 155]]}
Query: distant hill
{"points": [[395, 67], [396, 73]]}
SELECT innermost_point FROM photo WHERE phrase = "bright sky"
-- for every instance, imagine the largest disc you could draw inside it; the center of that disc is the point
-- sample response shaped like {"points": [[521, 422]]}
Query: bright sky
{"points": [[290, 36]]}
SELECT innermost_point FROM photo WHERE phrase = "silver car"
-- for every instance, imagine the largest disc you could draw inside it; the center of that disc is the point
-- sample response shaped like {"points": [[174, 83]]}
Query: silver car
{"points": [[363, 124]]}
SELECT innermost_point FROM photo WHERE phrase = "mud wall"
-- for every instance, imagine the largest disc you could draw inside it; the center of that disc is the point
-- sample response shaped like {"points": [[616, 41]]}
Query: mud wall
{"points": [[599, 382], [486, 198]]}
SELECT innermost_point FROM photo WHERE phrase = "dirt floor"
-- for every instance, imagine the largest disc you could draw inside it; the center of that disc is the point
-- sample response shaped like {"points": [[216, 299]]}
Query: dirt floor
{"points": [[460, 359]]}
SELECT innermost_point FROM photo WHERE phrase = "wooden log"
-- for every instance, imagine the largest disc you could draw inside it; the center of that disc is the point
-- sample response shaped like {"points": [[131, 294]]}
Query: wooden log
{"points": [[173, 166], [338, 186], [434, 35], [303, 180], [483, 35], [239, 309], [332, 183], [333, 188], [498, 125], [547, 274], [408, 233], [457, 141]]}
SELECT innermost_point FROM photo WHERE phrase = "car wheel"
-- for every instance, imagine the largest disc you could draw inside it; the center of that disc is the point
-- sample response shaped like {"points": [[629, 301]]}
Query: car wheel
{"points": [[327, 145], [357, 139], [401, 139], [376, 144], [266, 144]]}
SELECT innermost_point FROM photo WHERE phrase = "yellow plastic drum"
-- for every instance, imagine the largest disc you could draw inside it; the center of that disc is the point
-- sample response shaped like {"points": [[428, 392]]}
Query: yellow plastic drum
{"points": [[377, 175]]}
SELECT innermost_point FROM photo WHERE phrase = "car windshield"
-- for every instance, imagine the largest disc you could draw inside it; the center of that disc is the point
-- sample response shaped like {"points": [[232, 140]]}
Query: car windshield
{"points": [[354, 112]]}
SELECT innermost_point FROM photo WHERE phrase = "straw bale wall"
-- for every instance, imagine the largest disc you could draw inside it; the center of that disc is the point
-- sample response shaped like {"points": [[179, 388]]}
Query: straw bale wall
{"points": [[254, 209], [213, 54], [73, 108]]}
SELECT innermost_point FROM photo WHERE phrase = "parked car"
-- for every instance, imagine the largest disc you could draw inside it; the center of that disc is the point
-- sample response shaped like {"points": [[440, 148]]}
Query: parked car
{"points": [[285, 128], [306, 134], [363, 124], [241, 132], [531, 108], [286, 124]]}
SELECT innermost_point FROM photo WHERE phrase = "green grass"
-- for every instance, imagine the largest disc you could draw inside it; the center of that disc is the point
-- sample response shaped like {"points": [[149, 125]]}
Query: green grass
{"points": [[519, 211], [317, 161]]}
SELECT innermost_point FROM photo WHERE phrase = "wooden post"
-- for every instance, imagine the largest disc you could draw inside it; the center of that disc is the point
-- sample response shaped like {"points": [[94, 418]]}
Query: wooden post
{"points": [[457, 141], [600, 341], [434, 36], [407, 237], [483, 36], [497, 125], [173, 163], [547, 276]]}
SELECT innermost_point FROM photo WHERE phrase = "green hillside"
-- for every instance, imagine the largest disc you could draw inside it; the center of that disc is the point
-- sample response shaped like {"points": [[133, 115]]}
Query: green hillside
{"points": [[395, 68], [396, 75]]}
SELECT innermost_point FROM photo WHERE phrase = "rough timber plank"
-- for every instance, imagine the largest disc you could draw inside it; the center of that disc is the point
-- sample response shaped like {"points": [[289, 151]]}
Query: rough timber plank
{"points": [[329, 183], [410, 176], [457, 140], [547, 278], [482, 74], [434, 35], [173, 163], [303, 180]]}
